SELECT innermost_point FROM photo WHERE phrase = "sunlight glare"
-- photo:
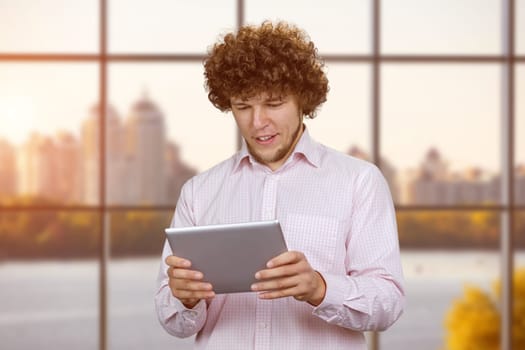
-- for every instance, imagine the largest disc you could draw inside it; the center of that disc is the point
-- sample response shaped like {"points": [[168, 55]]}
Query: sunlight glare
{"points": [[17, 116]]}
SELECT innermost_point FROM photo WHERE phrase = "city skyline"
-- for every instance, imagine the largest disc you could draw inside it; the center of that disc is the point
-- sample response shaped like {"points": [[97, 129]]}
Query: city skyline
{"points": [[463, 122], [143, 162], [28, 133], [142, 165]]}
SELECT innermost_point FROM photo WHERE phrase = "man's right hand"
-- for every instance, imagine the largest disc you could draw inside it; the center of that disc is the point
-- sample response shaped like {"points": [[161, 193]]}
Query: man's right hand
{"points": [[185, 284]]}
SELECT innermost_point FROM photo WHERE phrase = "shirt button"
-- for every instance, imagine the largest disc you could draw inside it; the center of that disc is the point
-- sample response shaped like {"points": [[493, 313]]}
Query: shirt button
{"points": [[191, 313], [262, 325]]}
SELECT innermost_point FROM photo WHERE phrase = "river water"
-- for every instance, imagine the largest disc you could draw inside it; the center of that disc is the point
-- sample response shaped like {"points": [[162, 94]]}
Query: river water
{"points": [[54, 304]]}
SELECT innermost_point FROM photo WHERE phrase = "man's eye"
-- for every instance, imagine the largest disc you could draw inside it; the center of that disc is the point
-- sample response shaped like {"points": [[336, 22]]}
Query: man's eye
{"points": [[241, 108], [273, 105]]}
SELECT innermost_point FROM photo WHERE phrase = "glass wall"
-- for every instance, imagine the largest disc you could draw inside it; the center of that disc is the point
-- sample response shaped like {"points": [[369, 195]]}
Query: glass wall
{"points": [[49, 279], [419, 88], [449, 118]]}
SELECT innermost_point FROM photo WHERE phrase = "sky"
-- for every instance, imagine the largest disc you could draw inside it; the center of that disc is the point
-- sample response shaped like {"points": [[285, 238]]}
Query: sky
{"points": [[455, 108]]}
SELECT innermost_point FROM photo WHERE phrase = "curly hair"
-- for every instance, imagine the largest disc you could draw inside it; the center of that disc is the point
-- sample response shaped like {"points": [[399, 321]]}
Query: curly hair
{"points": [[278, 59]]}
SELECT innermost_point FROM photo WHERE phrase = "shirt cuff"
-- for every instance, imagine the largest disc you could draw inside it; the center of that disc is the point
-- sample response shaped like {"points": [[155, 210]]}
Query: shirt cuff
{"points": [[340, 291], [172, 306], [188, 313]]}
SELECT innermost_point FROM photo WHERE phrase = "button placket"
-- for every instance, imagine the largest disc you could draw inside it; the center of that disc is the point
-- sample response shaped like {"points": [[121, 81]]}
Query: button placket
{"points": [[263, 314], [269, 197]]}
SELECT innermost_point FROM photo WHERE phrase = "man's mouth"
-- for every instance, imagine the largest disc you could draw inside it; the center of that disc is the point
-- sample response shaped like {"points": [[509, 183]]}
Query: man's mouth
{"points": [[264, 138]]}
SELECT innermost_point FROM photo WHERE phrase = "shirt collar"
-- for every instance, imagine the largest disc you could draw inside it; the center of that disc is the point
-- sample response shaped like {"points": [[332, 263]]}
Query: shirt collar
{"points": [[306, 148]]}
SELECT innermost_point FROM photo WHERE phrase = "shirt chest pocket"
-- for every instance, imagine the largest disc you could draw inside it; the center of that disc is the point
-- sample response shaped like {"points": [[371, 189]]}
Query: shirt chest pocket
{"points": [[314, 236]]}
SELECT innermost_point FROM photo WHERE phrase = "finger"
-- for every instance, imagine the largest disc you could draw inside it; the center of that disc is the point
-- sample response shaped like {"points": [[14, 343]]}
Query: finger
{"points": [[189, 294], [295, 268], [285, 258], [189, 285], [185, 274], [281, 293], [278, 272], [275, 284], [176, 261]]}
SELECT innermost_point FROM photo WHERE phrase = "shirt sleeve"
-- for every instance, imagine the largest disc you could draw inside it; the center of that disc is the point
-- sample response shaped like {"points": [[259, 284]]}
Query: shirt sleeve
{"points": [[174, 317], [371, 295]]}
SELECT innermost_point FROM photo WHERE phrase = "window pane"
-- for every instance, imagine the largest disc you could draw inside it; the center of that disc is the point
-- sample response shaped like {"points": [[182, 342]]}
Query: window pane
{"points": [[448, 230], [137, 238], [138, 233], [49, 280], [49, 26], [168, 26], [443, 254], [172, 131], [343, 122], [519, 135], [41, 123], [441, 27], [335, 26], [440, 130], [520, 27]]}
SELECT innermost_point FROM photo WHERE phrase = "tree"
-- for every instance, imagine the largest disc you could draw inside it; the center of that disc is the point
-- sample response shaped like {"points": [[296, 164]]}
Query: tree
{"points": [[473, 322]]}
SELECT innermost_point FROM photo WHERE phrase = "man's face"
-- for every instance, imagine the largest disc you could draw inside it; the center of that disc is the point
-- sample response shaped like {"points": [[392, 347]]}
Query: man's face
{"points": [[271, 126]]}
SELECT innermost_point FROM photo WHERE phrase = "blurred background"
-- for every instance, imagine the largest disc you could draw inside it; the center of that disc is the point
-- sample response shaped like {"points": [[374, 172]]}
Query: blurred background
{"points": [[103, 116]]}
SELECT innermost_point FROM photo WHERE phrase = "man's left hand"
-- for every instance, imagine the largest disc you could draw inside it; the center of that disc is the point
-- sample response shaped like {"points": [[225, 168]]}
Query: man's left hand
{"points": [[290, 274]]}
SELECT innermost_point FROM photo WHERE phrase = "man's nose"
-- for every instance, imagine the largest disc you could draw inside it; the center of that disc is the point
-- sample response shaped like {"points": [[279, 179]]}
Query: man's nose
{"points": [[260, 118]]}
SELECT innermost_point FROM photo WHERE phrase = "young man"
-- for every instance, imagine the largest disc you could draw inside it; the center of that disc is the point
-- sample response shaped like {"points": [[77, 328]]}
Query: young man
{"points": [[342, 275]]}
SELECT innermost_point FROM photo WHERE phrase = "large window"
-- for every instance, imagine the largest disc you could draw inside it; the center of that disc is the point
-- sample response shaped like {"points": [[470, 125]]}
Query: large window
{"points": [[103, 116]]}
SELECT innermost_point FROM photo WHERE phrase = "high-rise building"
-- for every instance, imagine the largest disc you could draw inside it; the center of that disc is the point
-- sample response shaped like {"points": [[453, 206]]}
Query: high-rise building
{"points": [[114, 156], [68, 167], [430, 185], [473, 186], [145, 153], [434, 184], [7, 169], [433, 166], [142, 167], [36, 167]]}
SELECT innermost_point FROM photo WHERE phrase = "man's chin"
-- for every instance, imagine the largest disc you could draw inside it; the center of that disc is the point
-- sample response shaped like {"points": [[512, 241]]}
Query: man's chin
{"points": [[262, 159], [269, 159]]}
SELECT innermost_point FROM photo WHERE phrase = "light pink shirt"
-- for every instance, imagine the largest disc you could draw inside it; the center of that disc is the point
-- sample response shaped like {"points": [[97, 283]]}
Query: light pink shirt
{"points": [[335, 209]]}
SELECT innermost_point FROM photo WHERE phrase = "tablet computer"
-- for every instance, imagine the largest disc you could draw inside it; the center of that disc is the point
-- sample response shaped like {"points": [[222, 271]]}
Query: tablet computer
{"points": [[228, 255]]}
